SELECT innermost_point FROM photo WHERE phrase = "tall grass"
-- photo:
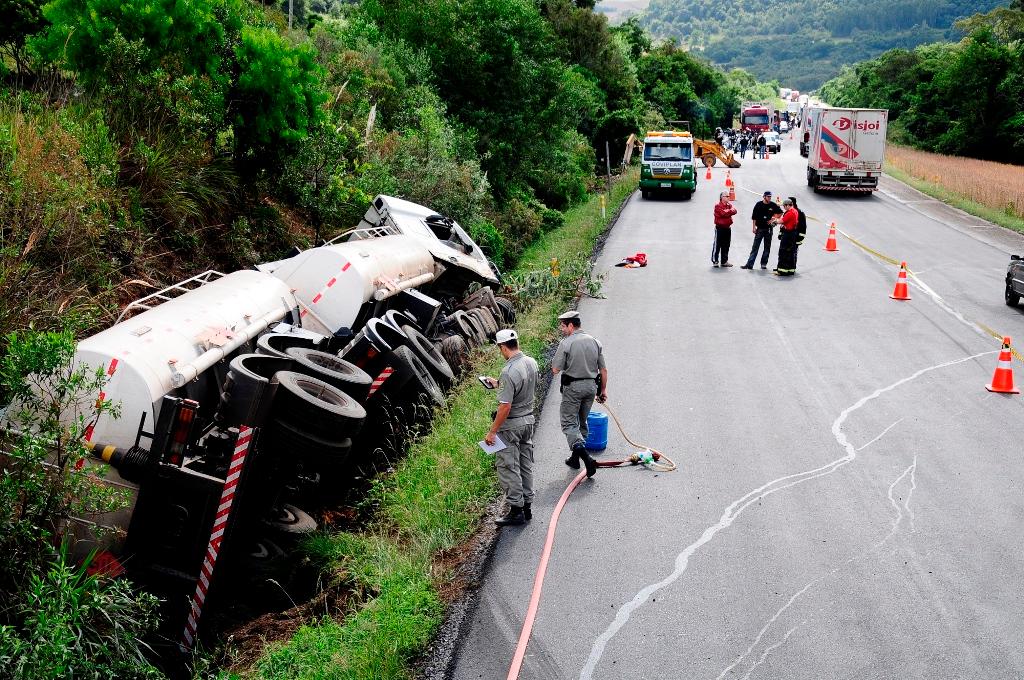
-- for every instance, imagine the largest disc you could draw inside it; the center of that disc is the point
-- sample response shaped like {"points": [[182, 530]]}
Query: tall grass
{"points": [[432, 504], [997, 186]]}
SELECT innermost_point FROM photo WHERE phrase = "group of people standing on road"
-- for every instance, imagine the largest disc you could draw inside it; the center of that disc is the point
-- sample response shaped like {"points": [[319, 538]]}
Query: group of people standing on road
{"points": [[580, 366], [766, 215], [738, 141]]}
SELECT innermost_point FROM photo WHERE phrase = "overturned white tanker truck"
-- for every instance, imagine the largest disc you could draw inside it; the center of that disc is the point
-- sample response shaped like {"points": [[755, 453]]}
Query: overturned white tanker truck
{"points": [[249, 399]]}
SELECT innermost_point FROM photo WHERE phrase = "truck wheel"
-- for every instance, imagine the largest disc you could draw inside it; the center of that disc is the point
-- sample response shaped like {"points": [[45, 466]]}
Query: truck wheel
{"points": [[1011, 297], [508, 311], [417, 378], [476, 336], [687, 195], [431, 358], [333, 450], [645, 194], [260, 560], [456, 352], [466, 329], [290, 520], [709, 160], [349, 378], [316, 407], [487, 320]]}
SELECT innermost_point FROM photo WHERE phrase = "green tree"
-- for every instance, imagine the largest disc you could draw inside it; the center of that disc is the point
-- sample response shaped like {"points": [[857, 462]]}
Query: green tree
{"points": [[636, 37], [277, 96], [19, 20]]}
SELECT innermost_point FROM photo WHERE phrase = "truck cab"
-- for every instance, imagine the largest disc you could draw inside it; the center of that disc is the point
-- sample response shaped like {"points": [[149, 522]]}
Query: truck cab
{"points": [[667, 165]]}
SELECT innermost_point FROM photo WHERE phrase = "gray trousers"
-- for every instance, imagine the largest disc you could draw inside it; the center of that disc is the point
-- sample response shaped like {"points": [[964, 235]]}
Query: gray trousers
{"points": [[577, 398], [514, 464]]}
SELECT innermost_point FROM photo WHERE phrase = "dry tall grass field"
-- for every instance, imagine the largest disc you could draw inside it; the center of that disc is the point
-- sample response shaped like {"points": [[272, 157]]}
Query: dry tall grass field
{"points": [[995, 185]]}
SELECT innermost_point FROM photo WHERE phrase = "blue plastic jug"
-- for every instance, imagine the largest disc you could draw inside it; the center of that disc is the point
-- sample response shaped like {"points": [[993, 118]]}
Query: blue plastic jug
{"points": [[597, 431]]}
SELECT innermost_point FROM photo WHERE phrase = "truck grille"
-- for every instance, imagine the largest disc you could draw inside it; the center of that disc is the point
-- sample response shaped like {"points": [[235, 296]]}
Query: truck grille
{"points": [[659, 172]]}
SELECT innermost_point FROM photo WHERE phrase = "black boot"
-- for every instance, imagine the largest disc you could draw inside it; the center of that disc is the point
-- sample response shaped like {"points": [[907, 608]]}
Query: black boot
{"points": [[573, 461], [579, 451], [527, 512], [514, 516]]}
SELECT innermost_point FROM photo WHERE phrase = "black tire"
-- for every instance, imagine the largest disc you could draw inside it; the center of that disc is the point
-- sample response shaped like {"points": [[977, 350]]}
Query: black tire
{"points": [[456, 352], [290, 520], [486, 321], [479, 332], [417, 379], [687, 195], [283, 436], [431, 358], [277, 344], [644, 194], [347, 377], [466, 328], [315, 407], [1011, 297], [508, 311], [396, 319]]}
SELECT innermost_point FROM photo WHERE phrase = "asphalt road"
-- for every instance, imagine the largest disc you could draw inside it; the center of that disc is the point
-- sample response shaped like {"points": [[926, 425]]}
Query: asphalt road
{"points": [[850, 498]]}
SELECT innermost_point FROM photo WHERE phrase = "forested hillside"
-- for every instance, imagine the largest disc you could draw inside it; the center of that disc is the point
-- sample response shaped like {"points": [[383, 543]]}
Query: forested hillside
{"points": [[960, 98], [802, 43], [144, 134]]}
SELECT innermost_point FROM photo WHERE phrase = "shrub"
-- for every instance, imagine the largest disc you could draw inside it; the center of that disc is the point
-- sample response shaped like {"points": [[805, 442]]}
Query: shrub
{"points": [[72, 624], [519, 225], [56, 620], [65, 234], [181, 185]]}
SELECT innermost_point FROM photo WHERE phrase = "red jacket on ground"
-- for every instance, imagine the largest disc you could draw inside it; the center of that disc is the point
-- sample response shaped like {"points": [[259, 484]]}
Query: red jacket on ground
{"points": [[723, 214]]}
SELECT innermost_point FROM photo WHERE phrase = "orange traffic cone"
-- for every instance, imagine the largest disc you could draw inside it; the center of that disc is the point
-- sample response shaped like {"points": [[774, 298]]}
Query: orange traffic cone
{"points": [[728, 178], [900, 292], [830, 244], [1002, 380], [708, 175], [732, 192]]}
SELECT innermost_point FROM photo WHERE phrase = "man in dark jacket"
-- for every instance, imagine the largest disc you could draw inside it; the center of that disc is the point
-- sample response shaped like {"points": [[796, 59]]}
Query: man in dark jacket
{"points": [[723, 230], [762, 219]]}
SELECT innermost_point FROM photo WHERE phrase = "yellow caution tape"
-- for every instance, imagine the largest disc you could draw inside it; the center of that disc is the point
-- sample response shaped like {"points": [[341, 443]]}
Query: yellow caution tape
{"points": [[893, 261]]}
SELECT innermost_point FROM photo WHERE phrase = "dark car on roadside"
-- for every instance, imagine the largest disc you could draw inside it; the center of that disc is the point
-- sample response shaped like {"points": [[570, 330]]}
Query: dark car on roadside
{"points": [[1014, 280]]}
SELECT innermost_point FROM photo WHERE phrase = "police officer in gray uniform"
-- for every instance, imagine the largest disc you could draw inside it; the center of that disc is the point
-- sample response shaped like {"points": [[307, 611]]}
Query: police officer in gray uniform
{"points": [[513, 422], [580, 361]]}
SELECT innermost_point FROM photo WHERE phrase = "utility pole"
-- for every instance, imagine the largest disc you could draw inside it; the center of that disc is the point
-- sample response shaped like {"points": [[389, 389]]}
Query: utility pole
{"points": [[290, 14]]}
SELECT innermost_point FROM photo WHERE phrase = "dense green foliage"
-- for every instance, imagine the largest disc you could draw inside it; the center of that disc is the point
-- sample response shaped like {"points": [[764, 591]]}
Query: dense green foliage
{"points": [[804, 42], [56, 620], [963, 99]]}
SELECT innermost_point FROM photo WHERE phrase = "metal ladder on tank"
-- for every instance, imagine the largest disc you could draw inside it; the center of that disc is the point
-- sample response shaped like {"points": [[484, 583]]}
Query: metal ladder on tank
{"points": [[169, 293]]}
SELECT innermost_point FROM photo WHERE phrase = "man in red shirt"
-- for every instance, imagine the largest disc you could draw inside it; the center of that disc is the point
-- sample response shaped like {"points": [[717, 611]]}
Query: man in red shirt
{"points": [[788, 236], [723, 231]]}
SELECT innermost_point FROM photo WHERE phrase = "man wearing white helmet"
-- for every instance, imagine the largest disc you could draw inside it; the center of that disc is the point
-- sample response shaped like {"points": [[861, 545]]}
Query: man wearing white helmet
{"points": [[513, 422]]}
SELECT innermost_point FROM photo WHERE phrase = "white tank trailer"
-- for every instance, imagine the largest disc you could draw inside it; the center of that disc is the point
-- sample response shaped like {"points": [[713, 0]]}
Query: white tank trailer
{"points": [[327, 354]]}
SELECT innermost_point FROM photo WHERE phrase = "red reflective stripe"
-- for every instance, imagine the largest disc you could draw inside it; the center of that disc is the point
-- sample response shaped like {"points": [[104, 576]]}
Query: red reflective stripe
{"points": [[347, 265], [317, 298], [112, 367], [332, 281]]}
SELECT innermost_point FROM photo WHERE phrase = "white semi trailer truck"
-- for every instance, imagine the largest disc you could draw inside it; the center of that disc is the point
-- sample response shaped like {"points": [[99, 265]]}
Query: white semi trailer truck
{"points": [[845, 148], [315, 357]]}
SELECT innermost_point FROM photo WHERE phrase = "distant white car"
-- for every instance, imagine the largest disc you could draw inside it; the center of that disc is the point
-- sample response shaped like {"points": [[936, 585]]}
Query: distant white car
{"points": [[773, 142], [783, 126]]}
